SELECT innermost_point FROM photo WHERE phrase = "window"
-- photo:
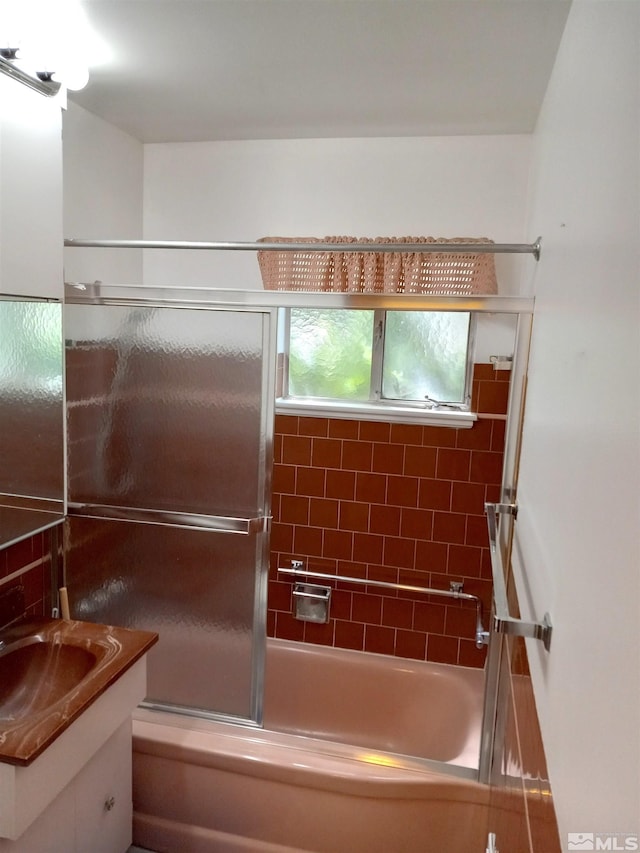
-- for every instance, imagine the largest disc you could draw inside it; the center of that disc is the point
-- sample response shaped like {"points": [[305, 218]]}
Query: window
{"points": [[401, 364]]}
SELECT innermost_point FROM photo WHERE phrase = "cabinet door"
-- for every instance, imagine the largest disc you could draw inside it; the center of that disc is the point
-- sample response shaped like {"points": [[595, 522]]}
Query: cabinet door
{"points": [[52, 832], [103, 797]]}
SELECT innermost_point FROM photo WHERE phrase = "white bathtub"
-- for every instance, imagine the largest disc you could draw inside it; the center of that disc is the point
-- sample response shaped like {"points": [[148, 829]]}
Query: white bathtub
{"points": [[345, 762]]}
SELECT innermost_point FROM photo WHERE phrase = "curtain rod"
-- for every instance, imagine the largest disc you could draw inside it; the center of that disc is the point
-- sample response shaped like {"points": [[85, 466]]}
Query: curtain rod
{"points": [[446, 248]]}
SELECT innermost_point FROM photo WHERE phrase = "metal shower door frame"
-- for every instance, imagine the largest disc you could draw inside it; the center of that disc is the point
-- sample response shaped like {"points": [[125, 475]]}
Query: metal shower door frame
{"points": [[496, 688], [270, 302], [259, 525]]}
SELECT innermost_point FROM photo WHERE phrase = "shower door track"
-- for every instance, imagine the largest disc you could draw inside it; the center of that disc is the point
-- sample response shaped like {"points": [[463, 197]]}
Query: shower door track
{"points": [[203, 298]]}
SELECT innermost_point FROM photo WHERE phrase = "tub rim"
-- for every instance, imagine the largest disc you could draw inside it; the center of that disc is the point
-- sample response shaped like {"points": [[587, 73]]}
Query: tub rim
{"points": [[218, 740], [284, 757]]}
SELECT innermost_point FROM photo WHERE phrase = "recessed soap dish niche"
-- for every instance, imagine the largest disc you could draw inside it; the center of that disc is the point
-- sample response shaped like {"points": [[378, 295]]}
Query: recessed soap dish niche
{"points": [[311, 602]]}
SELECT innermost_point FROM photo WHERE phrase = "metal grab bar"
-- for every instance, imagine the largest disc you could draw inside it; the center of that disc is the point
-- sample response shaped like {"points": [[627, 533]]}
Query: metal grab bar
{"points": [[482, 636], [503, 622]]}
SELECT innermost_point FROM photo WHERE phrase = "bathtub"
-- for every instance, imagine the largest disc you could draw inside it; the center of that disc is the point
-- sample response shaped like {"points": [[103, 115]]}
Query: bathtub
{"points": [[350, 760]]}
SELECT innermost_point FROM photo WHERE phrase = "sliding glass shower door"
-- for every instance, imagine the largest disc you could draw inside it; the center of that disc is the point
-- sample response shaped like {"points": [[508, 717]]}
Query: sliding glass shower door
{"points": [[170, 424]]}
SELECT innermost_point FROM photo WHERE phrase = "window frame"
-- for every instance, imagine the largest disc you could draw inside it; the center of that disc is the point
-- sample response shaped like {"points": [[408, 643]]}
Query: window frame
{"points": [[377, 408]]}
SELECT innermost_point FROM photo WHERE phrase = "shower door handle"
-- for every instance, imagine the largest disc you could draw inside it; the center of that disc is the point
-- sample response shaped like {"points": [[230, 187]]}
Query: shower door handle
{"points": [[198, 521], [503, 622]]}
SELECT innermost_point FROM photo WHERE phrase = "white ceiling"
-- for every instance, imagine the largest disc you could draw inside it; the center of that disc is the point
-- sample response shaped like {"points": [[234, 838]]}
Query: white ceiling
{"points": [[197, 70]]}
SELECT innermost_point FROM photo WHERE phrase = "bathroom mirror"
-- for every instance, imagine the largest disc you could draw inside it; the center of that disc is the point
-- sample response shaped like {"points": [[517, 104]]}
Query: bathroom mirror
{"points": [[31, 417]]}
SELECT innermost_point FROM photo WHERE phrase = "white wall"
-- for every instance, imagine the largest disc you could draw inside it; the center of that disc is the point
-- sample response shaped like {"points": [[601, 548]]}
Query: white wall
{"points": [[103, 173], [579, 521], [30, 192], [440, 186]]}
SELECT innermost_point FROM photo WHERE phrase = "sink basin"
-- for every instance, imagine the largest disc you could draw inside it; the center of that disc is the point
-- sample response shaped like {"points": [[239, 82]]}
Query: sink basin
{"points": [[51, 670], [35, 673]]}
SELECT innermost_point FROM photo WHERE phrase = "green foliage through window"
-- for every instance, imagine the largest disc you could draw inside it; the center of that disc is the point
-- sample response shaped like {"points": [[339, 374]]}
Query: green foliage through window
{"points": [[425, 356], [332, 355]]}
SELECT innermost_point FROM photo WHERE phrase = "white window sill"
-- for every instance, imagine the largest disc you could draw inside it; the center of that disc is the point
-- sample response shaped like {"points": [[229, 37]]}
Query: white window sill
{"points": [[373, 412]]}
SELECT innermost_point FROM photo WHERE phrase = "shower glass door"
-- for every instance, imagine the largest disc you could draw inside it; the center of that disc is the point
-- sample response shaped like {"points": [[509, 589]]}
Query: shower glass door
{"points": [[170, 426]]}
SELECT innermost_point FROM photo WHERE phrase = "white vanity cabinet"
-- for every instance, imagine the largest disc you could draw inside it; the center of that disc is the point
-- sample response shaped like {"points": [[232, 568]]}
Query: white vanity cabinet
{"points": [[76, 796], [93, 813]]}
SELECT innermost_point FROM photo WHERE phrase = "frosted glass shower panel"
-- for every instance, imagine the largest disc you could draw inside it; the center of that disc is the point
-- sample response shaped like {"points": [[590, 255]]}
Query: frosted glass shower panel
{"points": [[195, 588], [31, 404], [165, 408], [170, 425]]}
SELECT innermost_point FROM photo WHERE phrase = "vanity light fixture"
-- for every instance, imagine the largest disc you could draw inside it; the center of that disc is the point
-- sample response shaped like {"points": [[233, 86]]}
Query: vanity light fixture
{"points": [[46, 44], [43, 81]]}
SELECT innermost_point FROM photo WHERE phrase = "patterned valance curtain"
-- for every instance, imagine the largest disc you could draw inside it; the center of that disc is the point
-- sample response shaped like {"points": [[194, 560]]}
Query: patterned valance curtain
{"points": [[377, 272]]}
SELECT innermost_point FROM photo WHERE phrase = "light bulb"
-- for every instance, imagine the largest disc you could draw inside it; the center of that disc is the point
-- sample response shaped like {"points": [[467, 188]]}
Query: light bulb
{"points": [[78, 79], [73, 77]]}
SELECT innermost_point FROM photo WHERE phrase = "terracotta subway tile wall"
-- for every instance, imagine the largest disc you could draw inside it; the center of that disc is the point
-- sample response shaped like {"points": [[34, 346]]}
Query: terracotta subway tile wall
{"points": [[392, 502], [26, 567]]}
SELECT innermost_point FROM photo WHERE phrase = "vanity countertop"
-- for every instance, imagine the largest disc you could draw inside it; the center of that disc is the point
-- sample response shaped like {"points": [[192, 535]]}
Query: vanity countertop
{"points": [[52, 670]]}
